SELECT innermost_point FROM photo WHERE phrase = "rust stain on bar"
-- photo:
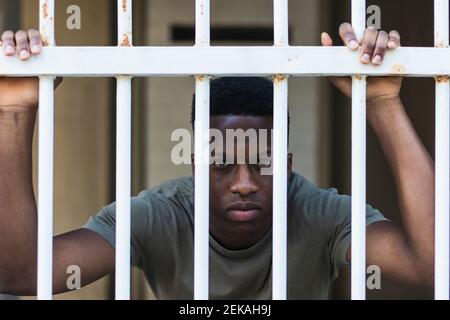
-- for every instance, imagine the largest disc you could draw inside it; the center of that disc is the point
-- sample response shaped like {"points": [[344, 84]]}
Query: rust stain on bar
{"points": [[279, 78], [442, 79], [124, 5], [200, 77], [45, 9], [398, 69], [125, 42], [358, 77]]}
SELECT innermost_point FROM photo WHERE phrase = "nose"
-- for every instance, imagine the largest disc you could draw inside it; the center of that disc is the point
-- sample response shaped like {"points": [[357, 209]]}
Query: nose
{"points": [[243, 182]]}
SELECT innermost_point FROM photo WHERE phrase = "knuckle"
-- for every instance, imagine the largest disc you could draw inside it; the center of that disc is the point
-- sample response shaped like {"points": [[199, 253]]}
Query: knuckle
{"points": [[369, 46], [349, 35]]}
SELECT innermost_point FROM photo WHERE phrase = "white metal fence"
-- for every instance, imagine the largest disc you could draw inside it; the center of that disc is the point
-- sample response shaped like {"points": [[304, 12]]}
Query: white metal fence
{"points": [[203, 61]]}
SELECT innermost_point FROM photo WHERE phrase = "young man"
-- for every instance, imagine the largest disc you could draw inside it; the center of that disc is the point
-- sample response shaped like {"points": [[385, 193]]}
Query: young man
{"points": [[241, 200]]}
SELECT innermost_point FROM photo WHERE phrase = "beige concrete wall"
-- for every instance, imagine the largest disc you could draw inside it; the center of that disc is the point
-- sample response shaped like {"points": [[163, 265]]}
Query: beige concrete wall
{"points": [[83, 113]]}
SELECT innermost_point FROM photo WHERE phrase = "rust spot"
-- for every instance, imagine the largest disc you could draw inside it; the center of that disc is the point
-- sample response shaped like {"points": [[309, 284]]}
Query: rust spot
{"points": [[200, 77], [279, 78], [398, 69], [202, 9], [124, 5], [45, 9], [358, 77], [125, 41], [440, 44], [44, 41], [442, 79]]}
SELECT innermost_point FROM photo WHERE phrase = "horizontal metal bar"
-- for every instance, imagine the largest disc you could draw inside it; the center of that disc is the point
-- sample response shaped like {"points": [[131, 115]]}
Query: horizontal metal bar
{"points": [[226, 61]]}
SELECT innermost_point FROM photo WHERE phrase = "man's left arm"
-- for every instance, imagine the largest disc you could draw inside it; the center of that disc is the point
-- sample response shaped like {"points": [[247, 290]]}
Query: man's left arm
{"points": [[406, 255]]}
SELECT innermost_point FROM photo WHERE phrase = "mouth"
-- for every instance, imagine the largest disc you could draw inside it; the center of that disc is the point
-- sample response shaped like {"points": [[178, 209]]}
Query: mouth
{"points": [[243, 211]]}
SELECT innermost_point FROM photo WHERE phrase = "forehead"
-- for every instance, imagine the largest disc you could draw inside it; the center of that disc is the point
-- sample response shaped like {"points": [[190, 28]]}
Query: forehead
{"points": [[241, 122]]}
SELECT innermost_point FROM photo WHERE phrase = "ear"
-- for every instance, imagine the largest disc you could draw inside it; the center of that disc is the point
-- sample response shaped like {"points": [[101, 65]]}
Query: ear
{"points": [[193, 164], [289, 164]]}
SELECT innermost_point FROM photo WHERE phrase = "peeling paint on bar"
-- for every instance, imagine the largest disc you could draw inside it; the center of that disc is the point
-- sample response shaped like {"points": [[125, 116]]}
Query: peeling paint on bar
{"points": [[442, 79], [279, 78], [398, 69], [45, 9]]}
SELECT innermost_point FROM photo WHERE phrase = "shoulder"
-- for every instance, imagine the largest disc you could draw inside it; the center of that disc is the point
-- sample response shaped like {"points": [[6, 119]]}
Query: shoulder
{"points": [[180, 188], [314, 206], [170, 197]]}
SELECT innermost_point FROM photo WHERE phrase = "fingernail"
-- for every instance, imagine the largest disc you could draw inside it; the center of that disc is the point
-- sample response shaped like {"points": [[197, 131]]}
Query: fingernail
{"points": [[365, 58], [9, 49], [24, 54], [376, 59], [35, 48], [392, 44], [353, 45]]}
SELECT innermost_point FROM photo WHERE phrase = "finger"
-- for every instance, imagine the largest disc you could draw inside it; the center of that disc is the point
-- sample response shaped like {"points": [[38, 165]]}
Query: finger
{"points": [[8, 44], [380, 48], [368, 44], [394, 40], [35, 41], [326, 39], [23, 47], [348, 36]]}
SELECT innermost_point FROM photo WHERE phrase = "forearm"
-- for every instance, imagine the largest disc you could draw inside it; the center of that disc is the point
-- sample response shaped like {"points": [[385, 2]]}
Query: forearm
{"points": [[18, 216], [413, 171]]}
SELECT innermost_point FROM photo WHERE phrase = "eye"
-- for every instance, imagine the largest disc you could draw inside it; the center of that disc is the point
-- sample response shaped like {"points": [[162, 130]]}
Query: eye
{"points": [[221, 164]]}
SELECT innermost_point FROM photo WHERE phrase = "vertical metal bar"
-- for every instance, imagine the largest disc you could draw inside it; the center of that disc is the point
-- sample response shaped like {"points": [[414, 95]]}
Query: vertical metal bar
{"points": [[123, 160], [201, 233], [442, 179], [45, 183], [280, 150], [358, 205]]}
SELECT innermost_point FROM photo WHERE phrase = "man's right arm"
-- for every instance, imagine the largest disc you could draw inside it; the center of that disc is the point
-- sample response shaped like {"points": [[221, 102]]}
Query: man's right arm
{"points": [[18, 213]]}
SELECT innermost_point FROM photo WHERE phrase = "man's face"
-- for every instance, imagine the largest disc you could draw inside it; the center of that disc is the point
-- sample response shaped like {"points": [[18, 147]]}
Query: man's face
{"points": [[240, 196]]}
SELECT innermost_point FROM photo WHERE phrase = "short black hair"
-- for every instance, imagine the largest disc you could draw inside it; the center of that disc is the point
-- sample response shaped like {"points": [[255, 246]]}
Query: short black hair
{"points": [[239, 96]]}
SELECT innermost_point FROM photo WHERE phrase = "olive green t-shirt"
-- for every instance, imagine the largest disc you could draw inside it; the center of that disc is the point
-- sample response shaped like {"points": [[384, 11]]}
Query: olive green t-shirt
{"points": [[162, 243]]}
